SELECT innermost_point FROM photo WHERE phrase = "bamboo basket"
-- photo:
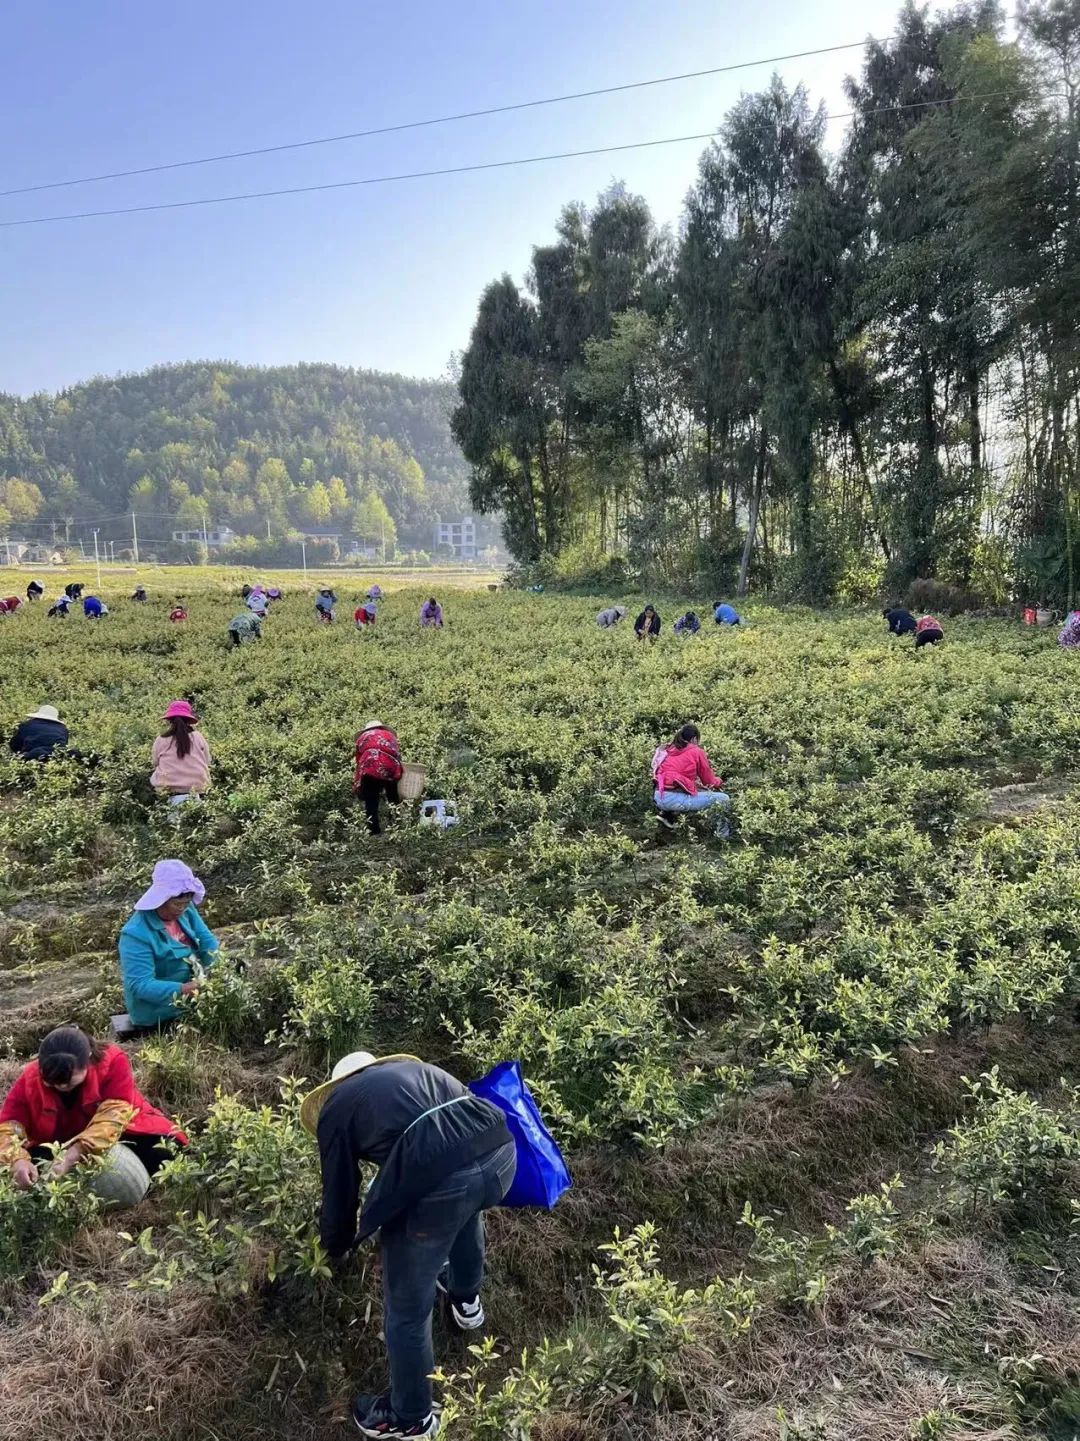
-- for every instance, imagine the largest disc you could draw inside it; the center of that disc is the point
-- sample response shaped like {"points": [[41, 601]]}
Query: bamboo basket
{"points": [[411, 785]]}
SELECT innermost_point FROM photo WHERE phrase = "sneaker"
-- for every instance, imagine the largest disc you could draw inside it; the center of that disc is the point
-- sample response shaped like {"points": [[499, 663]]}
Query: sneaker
{"points": [[667, 819], [468, 1315], [374, 1417]]}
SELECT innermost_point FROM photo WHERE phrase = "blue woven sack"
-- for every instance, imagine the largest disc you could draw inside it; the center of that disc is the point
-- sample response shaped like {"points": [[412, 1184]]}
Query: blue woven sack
{"points": [[541, 1175]]}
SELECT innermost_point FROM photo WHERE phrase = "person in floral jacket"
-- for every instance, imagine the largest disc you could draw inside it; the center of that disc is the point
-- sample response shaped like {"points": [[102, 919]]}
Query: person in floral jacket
{"points": [[378, 770], [81, 1094]]}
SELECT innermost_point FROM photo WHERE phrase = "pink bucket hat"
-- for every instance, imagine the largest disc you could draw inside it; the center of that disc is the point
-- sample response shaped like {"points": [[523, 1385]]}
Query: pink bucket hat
{"points": [[171, 879], [179, 709]]}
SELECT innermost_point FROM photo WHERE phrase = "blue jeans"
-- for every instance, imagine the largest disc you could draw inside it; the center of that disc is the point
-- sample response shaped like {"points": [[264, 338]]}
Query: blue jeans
{"points": [[679, 803], [445, 1227]]}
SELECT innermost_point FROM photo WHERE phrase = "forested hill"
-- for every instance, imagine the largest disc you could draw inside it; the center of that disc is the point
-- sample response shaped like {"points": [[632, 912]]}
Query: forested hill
{"points": [[299, 446]]}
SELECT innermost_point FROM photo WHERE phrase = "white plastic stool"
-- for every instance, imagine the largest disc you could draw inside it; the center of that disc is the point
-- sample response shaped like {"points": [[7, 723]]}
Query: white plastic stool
{"points": [[441, 814]]}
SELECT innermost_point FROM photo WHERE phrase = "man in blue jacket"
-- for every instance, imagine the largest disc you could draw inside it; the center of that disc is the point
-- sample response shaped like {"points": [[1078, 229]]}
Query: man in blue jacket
{"points": [[444, 1157]]}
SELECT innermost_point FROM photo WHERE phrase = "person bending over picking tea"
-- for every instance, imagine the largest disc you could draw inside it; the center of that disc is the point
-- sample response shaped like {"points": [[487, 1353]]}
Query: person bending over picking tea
{"points": [[928, 631], [611, 616], [40, 736], [687, 624], [79, 1093], [679, 770], [444, 1156], [378, 770], [899, 620], [244, 628], [724, 614], [166, 946], [431, 614]]}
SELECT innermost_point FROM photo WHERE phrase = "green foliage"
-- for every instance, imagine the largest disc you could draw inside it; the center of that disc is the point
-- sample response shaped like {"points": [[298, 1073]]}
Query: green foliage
{"points": [[1011, 1147], [245, 1193], [35, 1224]]}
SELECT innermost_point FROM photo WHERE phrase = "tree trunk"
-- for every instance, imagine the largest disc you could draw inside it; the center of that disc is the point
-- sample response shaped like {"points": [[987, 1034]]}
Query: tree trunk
{"points": [[755, 507], [850, 425]]}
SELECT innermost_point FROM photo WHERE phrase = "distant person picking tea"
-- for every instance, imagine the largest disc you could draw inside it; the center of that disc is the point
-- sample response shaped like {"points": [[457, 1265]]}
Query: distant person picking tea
{"points": [[928, 631], [40, 736], [899, 620], [181, 756], [431, 616], [647, 625]]}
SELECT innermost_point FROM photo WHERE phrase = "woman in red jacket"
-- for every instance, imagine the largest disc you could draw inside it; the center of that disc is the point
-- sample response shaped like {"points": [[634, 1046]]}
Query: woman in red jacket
{"points": [[80, 1093], [378, 770], [678, 769]]}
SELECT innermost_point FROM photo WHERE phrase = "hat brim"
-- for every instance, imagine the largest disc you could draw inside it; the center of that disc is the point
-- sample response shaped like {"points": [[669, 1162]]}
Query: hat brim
{"points": [[312, 1104], [157, 895]]}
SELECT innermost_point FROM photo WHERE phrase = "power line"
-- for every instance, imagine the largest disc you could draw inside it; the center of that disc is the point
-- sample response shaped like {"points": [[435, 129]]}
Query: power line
{"points": [[444, 171], [436, 120]]}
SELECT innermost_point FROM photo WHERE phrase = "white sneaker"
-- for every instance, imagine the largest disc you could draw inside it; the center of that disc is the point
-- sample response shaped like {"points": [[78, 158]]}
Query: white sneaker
{"points": [[468, 1315]]}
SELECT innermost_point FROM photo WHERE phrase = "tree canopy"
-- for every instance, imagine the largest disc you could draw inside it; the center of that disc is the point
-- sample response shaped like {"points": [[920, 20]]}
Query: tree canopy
{"points": [[308, 447], [845, 371]]}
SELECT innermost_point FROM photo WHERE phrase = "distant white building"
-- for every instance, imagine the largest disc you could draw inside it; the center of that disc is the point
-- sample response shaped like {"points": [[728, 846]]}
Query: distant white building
{"points": [[214, 536], [458, 536]]}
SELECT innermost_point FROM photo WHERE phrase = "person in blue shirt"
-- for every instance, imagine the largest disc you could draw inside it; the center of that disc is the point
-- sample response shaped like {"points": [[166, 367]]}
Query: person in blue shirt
{"points": [[93, 608], [166, 946], [724, 614]]}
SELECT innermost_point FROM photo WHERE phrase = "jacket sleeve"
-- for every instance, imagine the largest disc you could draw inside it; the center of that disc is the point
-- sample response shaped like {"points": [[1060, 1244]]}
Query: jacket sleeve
{"points": [[118, 1108], [15, 1130], [340, 1195], [137, 971], [705, 771], [205, 941]]}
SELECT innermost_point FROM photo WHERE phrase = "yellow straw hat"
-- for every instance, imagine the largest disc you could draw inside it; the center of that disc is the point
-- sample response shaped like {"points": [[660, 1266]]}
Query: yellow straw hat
{"points": [[313, 1102]]}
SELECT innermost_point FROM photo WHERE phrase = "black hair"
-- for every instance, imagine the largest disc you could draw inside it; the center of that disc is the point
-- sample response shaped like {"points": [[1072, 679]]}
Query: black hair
{"points": [[432, 600], [180, 728], [65, 1051], [650, 607], [685, 736]]}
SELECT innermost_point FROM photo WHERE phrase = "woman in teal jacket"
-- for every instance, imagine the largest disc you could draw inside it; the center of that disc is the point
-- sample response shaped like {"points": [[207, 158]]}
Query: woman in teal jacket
{"points": [[165, 946]]}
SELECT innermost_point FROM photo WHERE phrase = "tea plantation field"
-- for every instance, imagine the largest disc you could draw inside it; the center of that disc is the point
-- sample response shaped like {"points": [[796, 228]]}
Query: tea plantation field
{"points": [[816, 1083]]}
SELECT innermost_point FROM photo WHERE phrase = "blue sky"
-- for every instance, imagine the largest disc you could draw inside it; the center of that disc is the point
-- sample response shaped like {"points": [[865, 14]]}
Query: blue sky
{"points": [[385, 277]]}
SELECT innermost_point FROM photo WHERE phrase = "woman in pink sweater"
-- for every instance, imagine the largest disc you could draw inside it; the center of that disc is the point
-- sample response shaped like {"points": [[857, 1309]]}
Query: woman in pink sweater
{"points": [[181, 756], [678, 769]]}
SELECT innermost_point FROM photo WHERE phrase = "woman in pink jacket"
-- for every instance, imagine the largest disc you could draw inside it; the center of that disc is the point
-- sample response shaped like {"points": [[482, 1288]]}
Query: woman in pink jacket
{"points": [[181, 756], [678, 770]]}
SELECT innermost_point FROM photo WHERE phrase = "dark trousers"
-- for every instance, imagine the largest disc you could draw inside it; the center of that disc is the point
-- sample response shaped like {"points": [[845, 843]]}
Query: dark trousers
{"points": [[371, 791], [444, 1229], [928, 637]]}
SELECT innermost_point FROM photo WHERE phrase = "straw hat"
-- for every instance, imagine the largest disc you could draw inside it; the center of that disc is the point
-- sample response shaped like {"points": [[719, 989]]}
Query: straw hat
{"points": [[312, 1104], [44, 712], [373, 725]]}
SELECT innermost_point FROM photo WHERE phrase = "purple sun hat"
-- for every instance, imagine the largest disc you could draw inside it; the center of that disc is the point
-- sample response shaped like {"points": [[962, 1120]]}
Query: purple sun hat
{"points": [[171, 879]]}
